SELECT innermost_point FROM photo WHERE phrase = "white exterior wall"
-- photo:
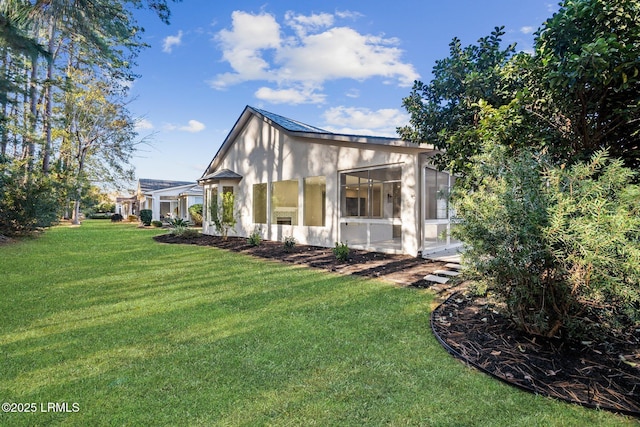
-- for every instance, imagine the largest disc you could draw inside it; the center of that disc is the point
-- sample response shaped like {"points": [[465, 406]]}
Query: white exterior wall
{"points": [[263, 154]]}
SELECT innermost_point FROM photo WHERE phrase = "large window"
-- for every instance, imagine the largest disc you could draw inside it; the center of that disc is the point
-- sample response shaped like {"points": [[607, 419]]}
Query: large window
{"points": [[260, 203], [373, 193], [437, 186], [315, 195], [284, 202]]}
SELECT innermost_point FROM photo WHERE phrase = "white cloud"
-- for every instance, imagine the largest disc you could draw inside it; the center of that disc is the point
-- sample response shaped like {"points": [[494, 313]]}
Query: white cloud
{"points": [[304, 24], [527, 30], [193, 126], [143, 124], [290, 96], [171, 41], [363, 121], [257, 49]]}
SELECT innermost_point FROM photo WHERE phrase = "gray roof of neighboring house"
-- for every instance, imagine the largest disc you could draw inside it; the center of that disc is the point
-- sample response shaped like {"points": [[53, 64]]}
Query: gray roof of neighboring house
{"points": [[195, 190], [160, 184]]}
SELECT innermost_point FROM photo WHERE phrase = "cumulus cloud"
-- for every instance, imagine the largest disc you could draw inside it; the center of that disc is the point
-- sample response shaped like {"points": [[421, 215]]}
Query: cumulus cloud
{"points": [[170, 42], [258, 48], [363, 121], [290, 96], [192, 126], [143, 124]]}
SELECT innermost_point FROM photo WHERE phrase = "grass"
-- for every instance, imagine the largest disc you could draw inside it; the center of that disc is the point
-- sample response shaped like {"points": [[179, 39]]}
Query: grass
{"points": [[139, 333]]}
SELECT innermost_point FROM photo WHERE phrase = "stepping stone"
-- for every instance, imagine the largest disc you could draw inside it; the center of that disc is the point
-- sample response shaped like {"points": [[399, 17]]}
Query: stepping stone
{"points": [[447, 273], [437, 279], [451, 265]]}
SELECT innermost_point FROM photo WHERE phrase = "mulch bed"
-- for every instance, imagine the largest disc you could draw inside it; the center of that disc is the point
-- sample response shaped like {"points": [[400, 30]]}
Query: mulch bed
{"points": [[401, 269], [599, 375]]}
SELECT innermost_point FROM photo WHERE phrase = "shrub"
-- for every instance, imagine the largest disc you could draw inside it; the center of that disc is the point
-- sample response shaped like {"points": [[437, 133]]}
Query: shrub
{"points": [[558, 246], [196, 214], [255, 238], [116, 218], [99, 215], [156, 223], [224, 215], [132, 218], [341, 251], [289, 243], [184, 232], [178, 222], [145, 216]]}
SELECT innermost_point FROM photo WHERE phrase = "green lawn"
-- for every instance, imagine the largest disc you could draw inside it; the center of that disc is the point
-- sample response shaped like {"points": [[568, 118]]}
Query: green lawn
{"points": [[138, 333]]}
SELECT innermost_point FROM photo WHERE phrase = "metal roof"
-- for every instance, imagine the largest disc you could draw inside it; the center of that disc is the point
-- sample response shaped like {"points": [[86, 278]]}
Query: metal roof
{"points": [[289, 124]]}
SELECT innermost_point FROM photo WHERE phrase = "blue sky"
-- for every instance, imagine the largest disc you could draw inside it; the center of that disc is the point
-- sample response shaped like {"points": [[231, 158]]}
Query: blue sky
{"points": [[340, 65]]}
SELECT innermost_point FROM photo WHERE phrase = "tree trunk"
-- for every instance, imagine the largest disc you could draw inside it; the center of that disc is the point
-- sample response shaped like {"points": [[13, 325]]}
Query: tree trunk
{"points": [[46, 155]]}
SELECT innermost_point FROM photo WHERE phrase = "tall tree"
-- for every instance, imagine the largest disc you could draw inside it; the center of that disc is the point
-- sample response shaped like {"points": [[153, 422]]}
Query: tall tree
{"points": [[588, 58], [100, 135], [446, 109]]}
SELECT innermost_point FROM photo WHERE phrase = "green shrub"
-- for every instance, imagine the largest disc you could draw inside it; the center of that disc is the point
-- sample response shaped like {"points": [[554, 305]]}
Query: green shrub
{"points": [[184, 232], [99, 215], [132, 218], [145, 216], [255, 238], [289, 243], [224, 215], [196, 214], [178, 222], [558, 246], [156, 223], [341, 251], [116, 218], [25, 204]]}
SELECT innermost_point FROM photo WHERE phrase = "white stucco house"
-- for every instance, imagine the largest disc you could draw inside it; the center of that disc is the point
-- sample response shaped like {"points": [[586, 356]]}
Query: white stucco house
{"points": [[168, 199], [293, 179]]}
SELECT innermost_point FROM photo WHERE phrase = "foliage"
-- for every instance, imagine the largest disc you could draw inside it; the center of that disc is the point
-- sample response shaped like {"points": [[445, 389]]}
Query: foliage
{"points": [[445, 111], [132, 218], [224, 215], [594, 235], [184, 231], [578, 93], [558, 246], [146, 216], [25, 204], [178, 222], [341, 251], [289, 243], [255, 238], [51, 52], [196, 214], [156, 223], [116, 218], [588, 77]]}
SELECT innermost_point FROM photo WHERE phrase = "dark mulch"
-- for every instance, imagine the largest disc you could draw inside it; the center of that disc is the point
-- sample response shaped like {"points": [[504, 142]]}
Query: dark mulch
{"points": [[604, 375], [401, 269]]}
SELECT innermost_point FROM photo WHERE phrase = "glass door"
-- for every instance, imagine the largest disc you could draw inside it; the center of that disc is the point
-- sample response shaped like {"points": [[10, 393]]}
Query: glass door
{"points": [[437, 211]]}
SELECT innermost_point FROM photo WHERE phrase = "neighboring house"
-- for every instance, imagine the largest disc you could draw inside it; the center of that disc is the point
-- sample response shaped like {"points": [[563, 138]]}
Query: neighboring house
{"points": [[126, 206], [292, 179], [168, 199]]}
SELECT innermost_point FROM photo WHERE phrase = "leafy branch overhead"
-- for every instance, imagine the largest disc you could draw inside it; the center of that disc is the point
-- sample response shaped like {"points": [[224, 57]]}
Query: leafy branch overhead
{"points": [[578, 92]]}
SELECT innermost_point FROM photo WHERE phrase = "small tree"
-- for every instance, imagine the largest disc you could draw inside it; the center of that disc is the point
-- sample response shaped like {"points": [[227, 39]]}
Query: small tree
{"points": [[196, 213], [224, 215], [146, 215]]}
